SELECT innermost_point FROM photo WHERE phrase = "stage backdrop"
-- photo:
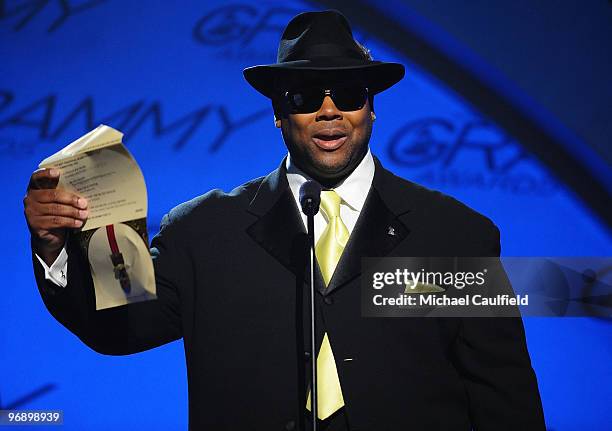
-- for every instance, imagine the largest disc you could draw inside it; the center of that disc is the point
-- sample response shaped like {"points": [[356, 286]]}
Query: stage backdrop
{"points": [[169, 75]]}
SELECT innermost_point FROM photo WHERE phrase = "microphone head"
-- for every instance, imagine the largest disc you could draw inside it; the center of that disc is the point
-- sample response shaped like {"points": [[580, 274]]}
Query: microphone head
{"points": [[310, 197]]}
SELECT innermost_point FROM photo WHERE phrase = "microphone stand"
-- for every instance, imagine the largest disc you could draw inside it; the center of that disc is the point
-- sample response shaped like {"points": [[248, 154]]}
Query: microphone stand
{"points": [[313, 319], [310, 199]]}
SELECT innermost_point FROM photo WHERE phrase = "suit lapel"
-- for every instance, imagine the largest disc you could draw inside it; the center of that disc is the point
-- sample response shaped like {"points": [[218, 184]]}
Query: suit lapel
{"points": [[378, 229], [279, 228]]}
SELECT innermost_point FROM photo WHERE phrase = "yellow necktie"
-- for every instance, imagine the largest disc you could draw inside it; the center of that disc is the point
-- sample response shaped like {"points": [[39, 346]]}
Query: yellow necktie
{"points": [[328, 251]]}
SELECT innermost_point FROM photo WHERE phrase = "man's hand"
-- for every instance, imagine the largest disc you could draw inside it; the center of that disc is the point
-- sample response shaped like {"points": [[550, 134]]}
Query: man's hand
{"points": [[51, 212]]}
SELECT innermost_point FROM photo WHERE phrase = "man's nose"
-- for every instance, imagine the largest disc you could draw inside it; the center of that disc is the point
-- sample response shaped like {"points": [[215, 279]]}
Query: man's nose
{"points": [[328, 110]]}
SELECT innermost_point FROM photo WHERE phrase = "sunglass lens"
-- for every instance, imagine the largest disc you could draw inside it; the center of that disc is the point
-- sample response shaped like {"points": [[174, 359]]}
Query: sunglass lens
{"points": [[349, 98], [305, 100]]}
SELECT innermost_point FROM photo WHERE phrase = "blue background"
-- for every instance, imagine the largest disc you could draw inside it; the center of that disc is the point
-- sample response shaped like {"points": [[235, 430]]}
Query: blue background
{"points": [[171, 80]]}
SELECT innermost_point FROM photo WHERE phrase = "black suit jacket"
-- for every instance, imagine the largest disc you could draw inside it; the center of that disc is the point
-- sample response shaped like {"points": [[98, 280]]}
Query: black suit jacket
{"points": [[230, 275]]}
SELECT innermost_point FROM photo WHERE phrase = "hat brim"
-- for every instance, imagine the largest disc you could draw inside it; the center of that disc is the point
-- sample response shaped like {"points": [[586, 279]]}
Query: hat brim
{"points": [[377, 76]]}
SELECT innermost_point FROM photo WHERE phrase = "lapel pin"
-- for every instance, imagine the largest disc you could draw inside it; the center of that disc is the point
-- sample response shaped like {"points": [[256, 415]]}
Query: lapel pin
{"points": [[391, 231]]}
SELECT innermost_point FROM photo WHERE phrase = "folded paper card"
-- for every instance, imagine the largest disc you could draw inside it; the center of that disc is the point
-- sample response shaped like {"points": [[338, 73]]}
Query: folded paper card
{"points": [[114, 238]]}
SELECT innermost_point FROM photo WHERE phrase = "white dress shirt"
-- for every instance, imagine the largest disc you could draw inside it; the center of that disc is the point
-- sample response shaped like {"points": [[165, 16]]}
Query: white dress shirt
{"points": [[353, 191], [58, 271]]}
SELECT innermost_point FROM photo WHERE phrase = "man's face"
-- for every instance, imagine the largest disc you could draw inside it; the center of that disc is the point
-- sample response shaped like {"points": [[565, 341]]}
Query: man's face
{"points": [[327, 144]]}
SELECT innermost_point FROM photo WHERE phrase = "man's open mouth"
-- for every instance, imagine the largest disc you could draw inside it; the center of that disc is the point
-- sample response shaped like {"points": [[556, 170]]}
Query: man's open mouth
{"points": [[329, 141]]}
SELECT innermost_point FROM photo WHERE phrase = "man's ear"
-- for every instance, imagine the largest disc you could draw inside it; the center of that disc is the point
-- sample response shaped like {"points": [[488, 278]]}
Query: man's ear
{"points": [[277, 122], [372, 115]]}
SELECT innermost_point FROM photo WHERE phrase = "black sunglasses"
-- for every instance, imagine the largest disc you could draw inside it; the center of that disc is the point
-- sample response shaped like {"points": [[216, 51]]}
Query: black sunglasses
{"points": [[308, 100]]}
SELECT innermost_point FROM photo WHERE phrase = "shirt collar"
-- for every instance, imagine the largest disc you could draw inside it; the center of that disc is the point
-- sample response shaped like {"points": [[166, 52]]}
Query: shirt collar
{"points": [[353, 189]]}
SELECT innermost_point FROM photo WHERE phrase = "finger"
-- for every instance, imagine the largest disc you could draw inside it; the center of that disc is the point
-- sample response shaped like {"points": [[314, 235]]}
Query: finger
{"points": [[58, 196], [55, 209], [44, 178], [56, 222]]}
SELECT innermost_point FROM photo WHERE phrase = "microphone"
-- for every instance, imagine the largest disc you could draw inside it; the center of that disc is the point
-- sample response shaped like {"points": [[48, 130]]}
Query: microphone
{"points": [[310, 197]]}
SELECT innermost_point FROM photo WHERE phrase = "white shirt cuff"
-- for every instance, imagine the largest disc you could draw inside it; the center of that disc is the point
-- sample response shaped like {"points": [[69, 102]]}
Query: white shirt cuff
{"points": [[58, 271]]}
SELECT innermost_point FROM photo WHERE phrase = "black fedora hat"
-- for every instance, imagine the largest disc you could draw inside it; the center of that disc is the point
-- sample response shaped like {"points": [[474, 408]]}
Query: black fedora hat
{"points": [[321, 41]]}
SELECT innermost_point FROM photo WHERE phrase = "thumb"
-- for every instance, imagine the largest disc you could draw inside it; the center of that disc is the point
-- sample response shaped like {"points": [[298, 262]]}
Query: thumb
{"points": [[44, 178]]}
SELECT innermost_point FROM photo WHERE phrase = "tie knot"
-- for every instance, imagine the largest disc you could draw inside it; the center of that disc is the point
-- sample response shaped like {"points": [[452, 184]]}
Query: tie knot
{"points": [[330, 203]]}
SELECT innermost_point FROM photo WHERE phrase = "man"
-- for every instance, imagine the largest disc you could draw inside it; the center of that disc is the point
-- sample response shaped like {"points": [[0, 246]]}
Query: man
{"points": [[231, 274]]}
